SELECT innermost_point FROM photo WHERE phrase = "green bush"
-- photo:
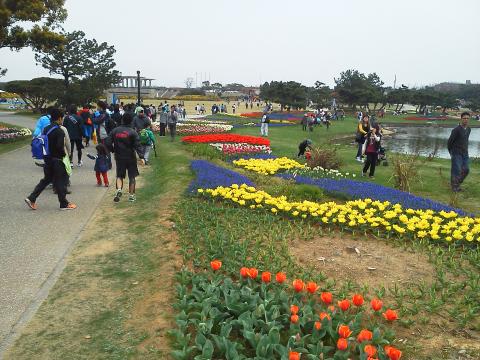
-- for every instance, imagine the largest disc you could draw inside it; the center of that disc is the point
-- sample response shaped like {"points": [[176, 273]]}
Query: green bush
{"points": [[325, 157]]}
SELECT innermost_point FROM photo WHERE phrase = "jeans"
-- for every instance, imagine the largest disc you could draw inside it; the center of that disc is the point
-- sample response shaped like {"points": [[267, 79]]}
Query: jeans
{"points": [[172, 128], [370, 163], [460, 169], [78, 143], [54, 172], [264, 129], [359, 151], [146, 151], [162, 129]]}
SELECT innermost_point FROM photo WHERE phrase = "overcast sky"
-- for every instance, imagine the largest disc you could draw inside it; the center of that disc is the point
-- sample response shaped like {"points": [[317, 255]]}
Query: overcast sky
{"points": [[422, 42]]}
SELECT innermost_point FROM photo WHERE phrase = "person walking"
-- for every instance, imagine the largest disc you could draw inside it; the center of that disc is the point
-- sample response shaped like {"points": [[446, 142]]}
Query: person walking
{"points": [[42, 122], [304, 122], [172, 122], [103, 163], [141, 121], [73, 124], [458, 149], [54, 169], [116, 116], [123, 141], [163, 122], [264, 124], [87, 126], [370, 149], [103, 122], [147, 141], [362, 130]]}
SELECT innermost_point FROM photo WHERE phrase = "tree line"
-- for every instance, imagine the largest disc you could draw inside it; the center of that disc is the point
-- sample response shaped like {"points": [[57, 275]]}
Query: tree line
{"points": [[86, 67], [354, 89]]}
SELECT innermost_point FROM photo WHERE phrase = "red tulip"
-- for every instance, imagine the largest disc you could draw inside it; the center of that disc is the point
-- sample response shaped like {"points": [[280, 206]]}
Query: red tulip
{"points": [[393, 353], [342, 344], [293, 355], [364, 335], [252, 272], [344, 305], [244, 272], [326, 297], [390, 315], [311, 287], [376, 304], [215, 265], [370, 350], [294, 318], [357, 300], [298, 285], [294, 309], [324, 315], [281, 277], [344, 331], [266, 277], [318, 325]]}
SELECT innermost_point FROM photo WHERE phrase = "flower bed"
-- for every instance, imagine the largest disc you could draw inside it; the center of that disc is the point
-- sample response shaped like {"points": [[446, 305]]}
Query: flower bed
{"points": [[207, 128], [209, 175], [260, 316], [362, 190], [426, 118], [318, 173], [363, 215], [226, 138], [268, 166], [234, 149], [12, 134]]}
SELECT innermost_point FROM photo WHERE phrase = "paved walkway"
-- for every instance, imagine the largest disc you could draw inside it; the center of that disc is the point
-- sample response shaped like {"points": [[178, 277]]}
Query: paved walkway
{"points": [[33, 244]]}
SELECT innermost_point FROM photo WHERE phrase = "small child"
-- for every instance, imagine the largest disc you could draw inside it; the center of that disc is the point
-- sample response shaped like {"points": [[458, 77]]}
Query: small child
{"points": [[103, 163]]}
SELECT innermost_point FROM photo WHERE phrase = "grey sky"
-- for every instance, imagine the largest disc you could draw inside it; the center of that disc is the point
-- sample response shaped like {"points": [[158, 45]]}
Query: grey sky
{"points": [[252, 41]]}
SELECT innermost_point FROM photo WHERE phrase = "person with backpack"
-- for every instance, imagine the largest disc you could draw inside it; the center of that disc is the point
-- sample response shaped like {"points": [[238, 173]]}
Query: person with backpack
{"points": [[147, 141], [42, 122], [102, 122], [264, 124], [141, 121], [124, 141], [370, 149], [103, 163], [87, 124], [73, 124], [52, 145], [172, 119]]}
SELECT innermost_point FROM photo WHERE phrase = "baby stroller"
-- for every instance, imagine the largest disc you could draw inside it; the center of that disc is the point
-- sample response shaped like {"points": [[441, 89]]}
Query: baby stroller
{"points": [[382, 157]]}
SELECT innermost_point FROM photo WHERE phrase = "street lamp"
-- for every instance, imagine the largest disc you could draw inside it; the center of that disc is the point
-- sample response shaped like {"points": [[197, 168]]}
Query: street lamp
{"points": [[138, 88]]}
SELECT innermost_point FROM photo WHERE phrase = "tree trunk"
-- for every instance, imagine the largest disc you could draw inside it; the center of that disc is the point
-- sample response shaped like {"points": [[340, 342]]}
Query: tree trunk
{"points": [[401, 107]]}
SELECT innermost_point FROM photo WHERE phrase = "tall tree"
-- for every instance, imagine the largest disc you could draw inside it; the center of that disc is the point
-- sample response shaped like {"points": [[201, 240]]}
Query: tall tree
{"points": [[46, 16], [320, 94], [36, 92], [288, 93], [80, 61], [356, 88]]}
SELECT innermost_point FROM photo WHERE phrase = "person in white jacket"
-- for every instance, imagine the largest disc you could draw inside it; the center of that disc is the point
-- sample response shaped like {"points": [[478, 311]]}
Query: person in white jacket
{"points": [[370, 149]]}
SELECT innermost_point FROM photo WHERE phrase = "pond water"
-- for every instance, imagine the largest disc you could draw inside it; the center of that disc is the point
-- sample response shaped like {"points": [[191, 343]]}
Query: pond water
{"points": [[426, 140]]}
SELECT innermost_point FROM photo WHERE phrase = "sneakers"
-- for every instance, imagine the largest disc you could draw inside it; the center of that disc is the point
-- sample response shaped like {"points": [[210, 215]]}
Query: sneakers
{"points": [[118, 195], [132, 198], [80, 163], [70, 206], [31, 204]]}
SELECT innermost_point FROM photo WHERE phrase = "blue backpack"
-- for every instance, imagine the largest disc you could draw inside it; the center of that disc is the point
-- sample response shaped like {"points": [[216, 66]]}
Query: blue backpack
{"points": [[40, 145]]}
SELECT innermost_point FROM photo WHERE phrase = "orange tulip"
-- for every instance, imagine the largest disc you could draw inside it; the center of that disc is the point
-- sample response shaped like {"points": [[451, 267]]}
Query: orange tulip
{"points": [[393, 353], [281, 277], [376, 304], [294, 309], [344, 305], [318, 325], [252, 272], [215, 265], [357, 300], [390, 315], [342, 344], [293, 355], [298, 285], [244, 272], [326, 297], [365, 335], [266, 277], [370, 350], [312, 287], [324, 315], [294, 318], [344, 331], [331, 308]]}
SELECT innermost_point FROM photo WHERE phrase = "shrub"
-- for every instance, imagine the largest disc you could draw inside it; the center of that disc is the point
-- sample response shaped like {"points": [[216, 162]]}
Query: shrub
{"points": [[324, 157], [405, 170], [297, 192]]}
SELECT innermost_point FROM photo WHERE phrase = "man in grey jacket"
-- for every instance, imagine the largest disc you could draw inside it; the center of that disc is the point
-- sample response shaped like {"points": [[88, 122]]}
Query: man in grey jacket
{"points": [[141, 121], [172, 122]]}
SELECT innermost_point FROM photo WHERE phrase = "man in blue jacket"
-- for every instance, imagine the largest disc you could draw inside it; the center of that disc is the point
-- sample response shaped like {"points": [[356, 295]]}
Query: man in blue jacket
{"points": [[42, 123]]}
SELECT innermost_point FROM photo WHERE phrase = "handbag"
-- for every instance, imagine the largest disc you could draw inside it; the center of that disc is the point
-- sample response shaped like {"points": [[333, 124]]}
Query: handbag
{"points": [[358, 137], [68, 167]]}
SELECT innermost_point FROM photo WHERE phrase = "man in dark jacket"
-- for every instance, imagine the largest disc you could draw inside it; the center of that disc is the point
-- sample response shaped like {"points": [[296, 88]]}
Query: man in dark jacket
{"points": [[103, 123], [54, 169], [73, 124], [116, 116], [458, 149], [123, 141]]}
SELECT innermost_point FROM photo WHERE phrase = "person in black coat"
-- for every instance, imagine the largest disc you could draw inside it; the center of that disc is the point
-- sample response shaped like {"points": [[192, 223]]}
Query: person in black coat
{"points": [[73, 123]]}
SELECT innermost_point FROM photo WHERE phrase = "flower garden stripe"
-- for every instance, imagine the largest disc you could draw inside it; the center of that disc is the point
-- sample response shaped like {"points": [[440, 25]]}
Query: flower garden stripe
{"points": [[362, 190], [226, 138]]}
